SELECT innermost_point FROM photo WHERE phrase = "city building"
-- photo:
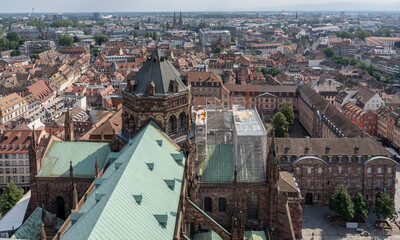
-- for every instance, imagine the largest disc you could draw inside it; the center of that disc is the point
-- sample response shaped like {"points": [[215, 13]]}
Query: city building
{"points": [[321, 165], [12, 107], [157, 93], [208, 37], [366, 120]]}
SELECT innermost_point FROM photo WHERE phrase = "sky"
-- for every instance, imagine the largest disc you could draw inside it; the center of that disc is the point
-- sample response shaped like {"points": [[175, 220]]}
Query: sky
{"points": [[17, 6]]}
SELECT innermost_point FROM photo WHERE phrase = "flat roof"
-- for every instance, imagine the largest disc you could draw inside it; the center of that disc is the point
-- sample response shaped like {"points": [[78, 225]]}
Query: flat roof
{"points": [[248, 123]]}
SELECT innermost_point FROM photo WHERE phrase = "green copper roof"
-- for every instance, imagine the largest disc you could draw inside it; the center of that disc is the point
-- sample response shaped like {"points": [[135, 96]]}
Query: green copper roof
{"points": [[207, 236], [83, 155], [219, 165], [32, 226], [133, 200], [255, 235]]}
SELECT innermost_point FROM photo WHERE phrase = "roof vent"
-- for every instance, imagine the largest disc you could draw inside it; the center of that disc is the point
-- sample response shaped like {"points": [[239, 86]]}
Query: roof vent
{"points": [[178, 158], [356, 150], [161, 219], [286, 149], [159, 142], [150, 165], [306, 150], [118, 164], [98, 182], [170, 183], [327, 149], [98, 196], [75, 216], [138, 198]]}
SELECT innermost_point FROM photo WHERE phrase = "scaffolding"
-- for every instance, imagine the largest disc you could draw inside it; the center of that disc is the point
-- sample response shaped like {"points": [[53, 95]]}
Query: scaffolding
{"points": [[238, 127]]}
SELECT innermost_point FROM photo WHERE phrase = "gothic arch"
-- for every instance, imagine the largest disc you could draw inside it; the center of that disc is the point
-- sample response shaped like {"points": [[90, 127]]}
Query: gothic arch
{"points": [[182, 122], [172, 125], [60, 207]]}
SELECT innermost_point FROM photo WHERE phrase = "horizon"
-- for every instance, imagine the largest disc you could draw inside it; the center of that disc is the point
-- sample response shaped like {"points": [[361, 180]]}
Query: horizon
{"points": [[126, 6]]}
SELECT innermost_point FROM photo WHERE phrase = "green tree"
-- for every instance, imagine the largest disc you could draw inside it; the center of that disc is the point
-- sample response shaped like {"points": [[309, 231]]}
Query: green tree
{"points": [[397, 44], [12, 36], [154, 36], [99, 39], [76, 39], [287, 110], [217, 50], [341, 203], [344, 34], [351, 30], [11, 195], [294, 34], [384, 207], [4, 44], [328, 52], [66, 40], [16, 52], [39, 24], [135, 35], [377, 76], [361, 207], [362, 34], [61, 23], [383, 32], [280, 125], [370, 69]]}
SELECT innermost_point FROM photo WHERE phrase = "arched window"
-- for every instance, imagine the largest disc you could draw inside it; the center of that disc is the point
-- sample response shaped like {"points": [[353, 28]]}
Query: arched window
{"points": [[182, 122], [222, 204], [172, 125], [252, 205], [60, 207], [207, 204]]}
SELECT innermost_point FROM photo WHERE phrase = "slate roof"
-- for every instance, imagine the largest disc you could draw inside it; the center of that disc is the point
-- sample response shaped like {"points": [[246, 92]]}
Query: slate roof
{"points": [[159, 70], [83, 155], [325, 109], [135, 199], [337, 146]]}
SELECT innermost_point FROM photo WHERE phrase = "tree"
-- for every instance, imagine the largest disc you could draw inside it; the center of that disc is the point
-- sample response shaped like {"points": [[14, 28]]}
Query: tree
{"points": [[280, 125], [4, 44], [217, 50], [294, 34], [272, 71], [287, 110], [99, 39], [11, 195], [16, 52], [76, 39], [362, 34], [361, 207], [154, 36], [397, 44], [135, 35], [12, 36], [39, 24], [66, 40], [377, 76], [384, 207], [344, 34], [341, 203], [328, 52]]}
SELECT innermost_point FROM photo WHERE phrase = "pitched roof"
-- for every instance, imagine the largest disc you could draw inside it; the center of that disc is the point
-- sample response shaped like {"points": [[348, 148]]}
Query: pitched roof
{"points": [[40, 90], [159, 70], [218, 165], [138, 195], [32, 226], [83, 155]]}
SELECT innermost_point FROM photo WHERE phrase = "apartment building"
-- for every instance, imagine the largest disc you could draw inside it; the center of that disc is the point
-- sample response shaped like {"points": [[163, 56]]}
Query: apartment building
{"points": [[12, 107]]}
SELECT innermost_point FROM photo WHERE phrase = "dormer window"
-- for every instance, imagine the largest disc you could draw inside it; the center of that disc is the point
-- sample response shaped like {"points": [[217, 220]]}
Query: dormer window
{"points": [[151, 89], [286, 149], [359, 159], [306, 150], [356, 150], [174, 86], [330, 159], [327, 149], [340, 159], [349, 159]]}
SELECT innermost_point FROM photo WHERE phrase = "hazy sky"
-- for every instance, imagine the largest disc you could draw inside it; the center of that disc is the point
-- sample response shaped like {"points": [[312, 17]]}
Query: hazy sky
{"points": [[186, 5]]}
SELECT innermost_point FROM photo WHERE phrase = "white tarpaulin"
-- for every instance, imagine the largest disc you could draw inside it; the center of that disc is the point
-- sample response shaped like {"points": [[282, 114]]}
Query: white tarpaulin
{"points": [[15, 216]]}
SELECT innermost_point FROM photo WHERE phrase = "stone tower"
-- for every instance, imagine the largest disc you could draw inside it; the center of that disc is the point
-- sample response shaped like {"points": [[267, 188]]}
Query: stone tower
{"points": [[68, 127], [156, 93]]}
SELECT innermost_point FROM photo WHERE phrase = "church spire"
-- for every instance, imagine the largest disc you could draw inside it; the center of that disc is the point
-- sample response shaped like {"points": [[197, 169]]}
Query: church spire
{"points": [[180, 21], [68, 126]]}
